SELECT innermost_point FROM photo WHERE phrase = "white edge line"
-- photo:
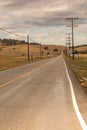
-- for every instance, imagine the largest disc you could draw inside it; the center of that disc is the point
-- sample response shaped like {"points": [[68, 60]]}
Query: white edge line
{"points": [[80, 118]]}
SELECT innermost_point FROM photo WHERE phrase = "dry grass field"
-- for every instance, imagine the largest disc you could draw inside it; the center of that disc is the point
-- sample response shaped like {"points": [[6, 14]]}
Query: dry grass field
{"points": [[81, 48], [12, 56], [21, 50], [79, 68], [79, 65], [83, 55]]}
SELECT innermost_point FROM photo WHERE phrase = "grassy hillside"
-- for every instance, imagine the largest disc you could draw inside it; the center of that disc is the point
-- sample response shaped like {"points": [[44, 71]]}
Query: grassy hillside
{"points": [[21, 50], [82, 48], [12, 56]]}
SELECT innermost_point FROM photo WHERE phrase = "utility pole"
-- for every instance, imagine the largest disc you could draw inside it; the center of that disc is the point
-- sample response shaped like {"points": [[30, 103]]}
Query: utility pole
{"points": [[28, 48], [72, 26], [40, 50], [68, 42], [69, 39]]}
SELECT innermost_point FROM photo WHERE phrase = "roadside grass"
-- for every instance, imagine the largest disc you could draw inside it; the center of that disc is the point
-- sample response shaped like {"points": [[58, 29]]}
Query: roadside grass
{"points": [[7, 62], [79, 67]]}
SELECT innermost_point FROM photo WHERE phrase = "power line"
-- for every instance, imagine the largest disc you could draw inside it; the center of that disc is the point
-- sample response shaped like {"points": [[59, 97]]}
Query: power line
{"points": [[28, 47], [15, 34], [12, 33], [28, 41]]}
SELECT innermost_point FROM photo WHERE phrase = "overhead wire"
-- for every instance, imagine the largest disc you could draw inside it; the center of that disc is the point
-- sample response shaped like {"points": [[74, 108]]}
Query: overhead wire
{"points": [[15, 34], [11, 32]]}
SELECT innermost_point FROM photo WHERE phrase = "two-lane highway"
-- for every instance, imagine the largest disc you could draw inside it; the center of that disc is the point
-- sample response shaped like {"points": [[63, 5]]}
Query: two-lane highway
{"points": [[37, 97]]}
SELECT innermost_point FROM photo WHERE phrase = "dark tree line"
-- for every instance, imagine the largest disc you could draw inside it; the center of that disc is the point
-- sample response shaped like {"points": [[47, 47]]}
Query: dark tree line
{"points": [[83, 52], [10, 42]]}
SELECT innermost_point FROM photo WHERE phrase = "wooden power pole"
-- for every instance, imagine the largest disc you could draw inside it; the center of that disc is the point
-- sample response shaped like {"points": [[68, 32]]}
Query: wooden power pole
{"points": [[40, 50], [72, 26], [68, 38], [28, 48]]}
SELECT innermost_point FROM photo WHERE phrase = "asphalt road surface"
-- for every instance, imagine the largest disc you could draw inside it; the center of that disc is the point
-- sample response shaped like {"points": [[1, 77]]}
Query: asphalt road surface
{"points": [[38, 97]]}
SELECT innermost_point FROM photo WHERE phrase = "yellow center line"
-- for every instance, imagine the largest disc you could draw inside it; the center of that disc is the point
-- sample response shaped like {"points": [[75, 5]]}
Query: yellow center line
{"points": [[24, 75]]}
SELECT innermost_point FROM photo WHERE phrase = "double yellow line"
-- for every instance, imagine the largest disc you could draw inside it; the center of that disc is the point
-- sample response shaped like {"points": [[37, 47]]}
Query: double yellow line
{"points": [[24, 75]]}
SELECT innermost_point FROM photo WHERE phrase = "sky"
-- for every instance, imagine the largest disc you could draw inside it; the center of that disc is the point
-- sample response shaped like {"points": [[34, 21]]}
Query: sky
{"points": [[44, 20]]}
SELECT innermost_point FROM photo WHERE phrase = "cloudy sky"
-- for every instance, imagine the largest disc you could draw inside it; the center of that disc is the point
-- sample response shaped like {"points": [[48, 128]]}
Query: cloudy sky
{"points": [[43, 20]]}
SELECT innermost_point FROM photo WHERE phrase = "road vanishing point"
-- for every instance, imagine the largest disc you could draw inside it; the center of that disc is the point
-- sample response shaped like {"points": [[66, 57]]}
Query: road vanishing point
{"points": [[44, 95]]}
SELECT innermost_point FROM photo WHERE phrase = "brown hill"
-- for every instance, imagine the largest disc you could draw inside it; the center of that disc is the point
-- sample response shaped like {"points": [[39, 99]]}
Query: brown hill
{"points": [[81, 48], [21, 50]]}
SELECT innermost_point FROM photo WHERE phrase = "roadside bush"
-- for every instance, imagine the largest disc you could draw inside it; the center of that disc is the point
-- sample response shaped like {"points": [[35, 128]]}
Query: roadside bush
{"points": [[23, 54], [46, 48], [56, 50], [14, 48]]}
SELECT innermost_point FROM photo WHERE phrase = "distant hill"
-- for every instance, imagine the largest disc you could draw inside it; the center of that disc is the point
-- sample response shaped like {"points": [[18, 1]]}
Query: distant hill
{"points": [[81, 48], [21, 50], [52, 47], [84, 45]]}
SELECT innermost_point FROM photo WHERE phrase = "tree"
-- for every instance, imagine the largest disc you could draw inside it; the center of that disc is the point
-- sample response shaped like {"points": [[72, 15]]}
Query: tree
{"points": [[56, 50], [46, 47]]}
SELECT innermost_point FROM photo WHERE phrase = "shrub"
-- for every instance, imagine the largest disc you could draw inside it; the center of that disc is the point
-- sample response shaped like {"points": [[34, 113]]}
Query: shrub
{"points": [[14, 48], [46, 48], [56, 50], [23, 54]]}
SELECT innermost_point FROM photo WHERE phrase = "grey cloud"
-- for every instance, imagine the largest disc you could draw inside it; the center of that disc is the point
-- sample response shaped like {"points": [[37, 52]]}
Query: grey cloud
{"points": [[18, 3], [79, 8], [32, 12], [31, 3]]}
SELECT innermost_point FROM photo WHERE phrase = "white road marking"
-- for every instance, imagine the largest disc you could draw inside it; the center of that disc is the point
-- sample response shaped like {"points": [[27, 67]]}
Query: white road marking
{"points": [[80, 118]]}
